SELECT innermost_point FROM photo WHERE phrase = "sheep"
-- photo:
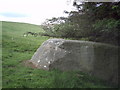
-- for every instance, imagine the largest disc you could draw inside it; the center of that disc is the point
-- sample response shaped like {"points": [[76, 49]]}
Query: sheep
{"points": [[31, 33]]}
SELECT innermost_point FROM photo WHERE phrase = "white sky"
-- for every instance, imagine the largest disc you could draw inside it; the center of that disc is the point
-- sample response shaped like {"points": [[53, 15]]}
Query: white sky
{"points": [[33, 11]]}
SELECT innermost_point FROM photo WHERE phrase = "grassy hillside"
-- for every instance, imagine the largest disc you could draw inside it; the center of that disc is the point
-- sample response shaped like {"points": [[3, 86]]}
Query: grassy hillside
{"points": [[17, 48]]}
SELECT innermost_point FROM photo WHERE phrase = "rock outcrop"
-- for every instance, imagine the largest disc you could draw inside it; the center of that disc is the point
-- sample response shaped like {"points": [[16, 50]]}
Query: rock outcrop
{"points": [[97, 59]]}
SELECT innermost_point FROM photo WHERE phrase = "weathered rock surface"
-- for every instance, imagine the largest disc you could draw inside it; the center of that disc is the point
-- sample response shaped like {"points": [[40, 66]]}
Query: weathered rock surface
{"points": [[98, 59]]}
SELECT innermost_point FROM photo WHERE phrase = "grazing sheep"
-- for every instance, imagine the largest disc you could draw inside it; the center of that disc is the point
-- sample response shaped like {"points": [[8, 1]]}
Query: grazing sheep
{"points": [[31, 33], [24, 35]]}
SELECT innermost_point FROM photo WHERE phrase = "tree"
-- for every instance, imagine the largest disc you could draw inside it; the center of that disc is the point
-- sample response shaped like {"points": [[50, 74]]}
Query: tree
{"points": [[104, 18], [97, 21]]}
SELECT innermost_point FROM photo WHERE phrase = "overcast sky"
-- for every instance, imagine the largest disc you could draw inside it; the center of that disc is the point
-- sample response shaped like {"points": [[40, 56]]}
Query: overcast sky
{"points": [[33, 11]]}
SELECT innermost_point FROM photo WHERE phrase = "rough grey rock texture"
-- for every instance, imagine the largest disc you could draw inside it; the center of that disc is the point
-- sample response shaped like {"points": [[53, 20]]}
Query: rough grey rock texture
{"points": [[97, 59]]}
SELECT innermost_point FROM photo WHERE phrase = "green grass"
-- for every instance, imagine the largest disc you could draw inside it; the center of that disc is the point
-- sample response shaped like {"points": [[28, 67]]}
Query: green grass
{"points": [[17, 48]]}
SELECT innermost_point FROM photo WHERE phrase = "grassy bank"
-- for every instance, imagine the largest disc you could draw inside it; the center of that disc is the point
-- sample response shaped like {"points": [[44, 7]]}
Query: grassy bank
{"points": [[17, 48]]}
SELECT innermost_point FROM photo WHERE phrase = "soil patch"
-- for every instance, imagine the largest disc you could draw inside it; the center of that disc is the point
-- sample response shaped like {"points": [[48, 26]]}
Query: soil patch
{"points": [[29, 64]]}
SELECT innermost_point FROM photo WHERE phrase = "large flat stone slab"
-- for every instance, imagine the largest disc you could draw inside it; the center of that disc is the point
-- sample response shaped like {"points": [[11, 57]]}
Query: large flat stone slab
{"points": [[98, 59]]}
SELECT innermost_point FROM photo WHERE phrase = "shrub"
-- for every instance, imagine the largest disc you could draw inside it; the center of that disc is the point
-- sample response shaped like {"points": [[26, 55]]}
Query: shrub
{"points": [[107, 30]]}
